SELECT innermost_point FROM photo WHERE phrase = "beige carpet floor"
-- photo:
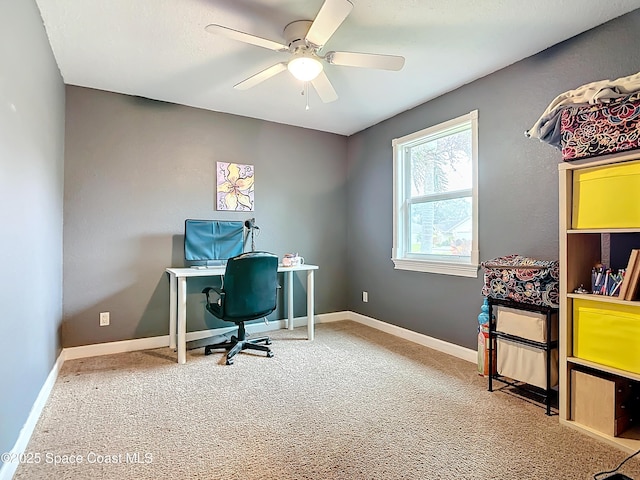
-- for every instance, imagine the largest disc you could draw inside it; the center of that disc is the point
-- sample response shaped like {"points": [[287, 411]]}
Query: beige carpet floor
{"points": [[354, 404]]}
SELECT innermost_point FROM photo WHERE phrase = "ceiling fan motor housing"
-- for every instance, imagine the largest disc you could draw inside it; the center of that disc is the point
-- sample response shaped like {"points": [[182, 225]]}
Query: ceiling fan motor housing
{"points": [[295, 34]]}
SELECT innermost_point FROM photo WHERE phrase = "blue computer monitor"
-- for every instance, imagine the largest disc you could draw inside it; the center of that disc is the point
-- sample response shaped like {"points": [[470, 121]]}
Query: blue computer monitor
{"points": [[212, 242]]}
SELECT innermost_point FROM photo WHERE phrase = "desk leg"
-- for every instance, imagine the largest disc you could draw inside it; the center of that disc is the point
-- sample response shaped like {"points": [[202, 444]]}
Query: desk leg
{"points": [[310, 302], [182, 320], [173, 300], [288, 280]]}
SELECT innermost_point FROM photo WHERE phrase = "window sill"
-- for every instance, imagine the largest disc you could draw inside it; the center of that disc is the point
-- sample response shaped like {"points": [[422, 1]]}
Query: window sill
{"points": [[444, 268]]}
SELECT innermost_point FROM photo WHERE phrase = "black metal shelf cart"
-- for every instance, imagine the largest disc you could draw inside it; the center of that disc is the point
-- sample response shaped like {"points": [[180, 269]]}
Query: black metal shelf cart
{"points": [[547, 346]]}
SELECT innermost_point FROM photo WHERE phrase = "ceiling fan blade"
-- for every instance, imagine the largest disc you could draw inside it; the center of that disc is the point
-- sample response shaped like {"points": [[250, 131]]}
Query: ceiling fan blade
{"points": [[365, 60], [329, 18], [324, 88], [261, 76], [246, 38]]}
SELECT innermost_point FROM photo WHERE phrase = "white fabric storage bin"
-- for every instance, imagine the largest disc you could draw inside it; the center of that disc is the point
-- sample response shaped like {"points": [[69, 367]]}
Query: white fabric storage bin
{"points": [[526, 363], [525, 324]]}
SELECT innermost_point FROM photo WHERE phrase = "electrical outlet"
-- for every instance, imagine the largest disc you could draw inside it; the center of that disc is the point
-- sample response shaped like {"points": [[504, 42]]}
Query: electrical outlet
{"points": [[104, 319], [365, 297]]}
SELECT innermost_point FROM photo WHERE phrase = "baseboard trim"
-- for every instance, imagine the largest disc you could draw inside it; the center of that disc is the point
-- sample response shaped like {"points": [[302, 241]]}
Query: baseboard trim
{"points": [[9, 468], [419, 338], [123, 346], [72, 353], [329, 317], [108, 348]]}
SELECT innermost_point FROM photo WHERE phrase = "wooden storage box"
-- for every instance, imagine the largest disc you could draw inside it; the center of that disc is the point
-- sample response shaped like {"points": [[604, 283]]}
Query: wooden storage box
{"points": [[607, 333], [600, 403], [606, 197]]}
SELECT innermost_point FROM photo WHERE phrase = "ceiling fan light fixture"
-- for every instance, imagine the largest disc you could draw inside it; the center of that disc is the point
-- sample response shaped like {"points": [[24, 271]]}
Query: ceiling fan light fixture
{"points": [[305, 68]]}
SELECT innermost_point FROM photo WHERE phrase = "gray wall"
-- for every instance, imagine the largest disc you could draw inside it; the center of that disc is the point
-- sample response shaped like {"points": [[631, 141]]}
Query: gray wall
{"points": [[135, 169], [31, 170], [518, 204]]}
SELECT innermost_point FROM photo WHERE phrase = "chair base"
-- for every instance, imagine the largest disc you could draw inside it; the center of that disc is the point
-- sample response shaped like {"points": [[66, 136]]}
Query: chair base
{"points": [[236, 345]]}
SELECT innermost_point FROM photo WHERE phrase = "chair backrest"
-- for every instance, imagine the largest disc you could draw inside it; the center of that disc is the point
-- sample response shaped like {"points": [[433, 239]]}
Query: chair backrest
{"points": [[250, 286]]}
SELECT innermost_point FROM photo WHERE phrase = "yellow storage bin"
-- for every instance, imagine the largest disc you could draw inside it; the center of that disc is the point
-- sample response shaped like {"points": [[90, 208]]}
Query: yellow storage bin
{"points": [[608, 334], [607, 197]]}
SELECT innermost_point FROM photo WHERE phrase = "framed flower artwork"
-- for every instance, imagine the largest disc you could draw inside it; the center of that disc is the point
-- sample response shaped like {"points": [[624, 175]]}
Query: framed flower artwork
{"points": [[234, 183]]}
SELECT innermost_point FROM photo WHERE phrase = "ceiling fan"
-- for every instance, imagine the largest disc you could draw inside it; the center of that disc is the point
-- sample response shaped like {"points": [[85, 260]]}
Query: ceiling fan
{"points": [[303, 40]]}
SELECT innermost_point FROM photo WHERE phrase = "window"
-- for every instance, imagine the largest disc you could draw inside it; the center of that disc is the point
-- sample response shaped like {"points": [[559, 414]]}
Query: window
{"points": [[435, 211]]}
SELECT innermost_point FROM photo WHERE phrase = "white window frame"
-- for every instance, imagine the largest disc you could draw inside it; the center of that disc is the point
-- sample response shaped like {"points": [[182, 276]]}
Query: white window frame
{"points": [[402, 258]]}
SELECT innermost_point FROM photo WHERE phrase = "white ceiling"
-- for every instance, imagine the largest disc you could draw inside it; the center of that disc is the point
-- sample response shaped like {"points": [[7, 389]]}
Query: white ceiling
{"points": [[159, 49]]}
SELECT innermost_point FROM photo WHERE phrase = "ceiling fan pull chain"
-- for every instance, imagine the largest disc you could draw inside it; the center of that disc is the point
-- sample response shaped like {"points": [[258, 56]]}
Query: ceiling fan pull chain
{"points": [[306, 94]]}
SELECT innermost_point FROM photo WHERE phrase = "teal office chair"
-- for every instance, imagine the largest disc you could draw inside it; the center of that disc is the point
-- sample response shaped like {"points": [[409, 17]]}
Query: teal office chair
{"points": [[249, 292]]}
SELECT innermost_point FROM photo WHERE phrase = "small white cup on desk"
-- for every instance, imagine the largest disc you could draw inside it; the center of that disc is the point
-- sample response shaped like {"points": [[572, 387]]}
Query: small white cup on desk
{"points": [[292, 260]]}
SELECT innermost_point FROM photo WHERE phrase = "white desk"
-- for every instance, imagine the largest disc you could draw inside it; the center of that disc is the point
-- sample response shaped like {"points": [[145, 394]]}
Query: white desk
{"points": [[178, 300]]}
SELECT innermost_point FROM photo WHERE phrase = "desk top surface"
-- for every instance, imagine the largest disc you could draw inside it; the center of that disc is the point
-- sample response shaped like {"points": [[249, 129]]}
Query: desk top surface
{"points": [[219, 270]]}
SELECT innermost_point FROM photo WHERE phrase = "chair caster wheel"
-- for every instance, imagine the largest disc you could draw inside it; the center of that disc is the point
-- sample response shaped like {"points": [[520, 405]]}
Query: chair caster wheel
{"points": [[269, 354], [207, 351], [267, 341]]}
